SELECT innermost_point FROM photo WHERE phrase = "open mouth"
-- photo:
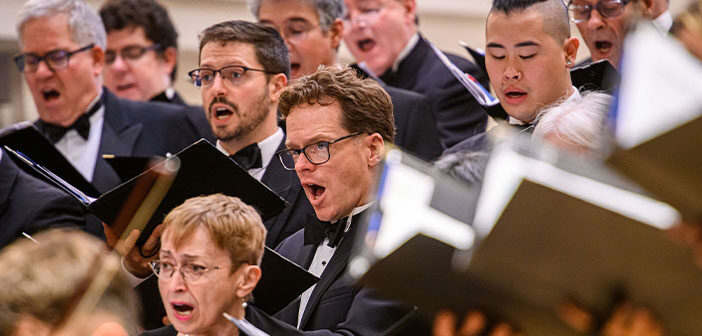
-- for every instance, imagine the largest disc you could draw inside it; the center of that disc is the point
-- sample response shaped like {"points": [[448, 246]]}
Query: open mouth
{"points": [[515, 94], [50, 94], [316, 191], [183, 310], [366, 45], [222, 113], [125, 87], [603, 46]]}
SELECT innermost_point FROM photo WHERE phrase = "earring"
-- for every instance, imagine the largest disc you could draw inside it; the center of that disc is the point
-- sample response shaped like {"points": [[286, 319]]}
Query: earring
{"points": [[244, 304], [569, 63]]}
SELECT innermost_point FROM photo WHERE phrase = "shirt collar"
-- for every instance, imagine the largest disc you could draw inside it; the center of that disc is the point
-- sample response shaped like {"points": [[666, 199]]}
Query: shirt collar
{"points": [[268, 146], [574, 96], [356, 211], [405, 51], [664, 21]]}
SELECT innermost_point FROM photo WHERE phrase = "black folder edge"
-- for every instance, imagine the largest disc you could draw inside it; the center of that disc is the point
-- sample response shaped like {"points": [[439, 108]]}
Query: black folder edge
{"points": [[128, 167], [24, 137], [108, 205], [282, 281], [597, 76]]}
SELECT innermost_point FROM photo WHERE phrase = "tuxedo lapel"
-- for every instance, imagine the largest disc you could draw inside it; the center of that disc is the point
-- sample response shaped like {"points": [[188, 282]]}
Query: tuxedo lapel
{"points": [[118, 137], [337, 265], [276, 176], [406, 75]]}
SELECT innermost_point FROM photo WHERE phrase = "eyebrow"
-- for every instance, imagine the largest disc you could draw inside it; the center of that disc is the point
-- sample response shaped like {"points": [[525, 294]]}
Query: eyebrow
{"points": [[518, 45]]}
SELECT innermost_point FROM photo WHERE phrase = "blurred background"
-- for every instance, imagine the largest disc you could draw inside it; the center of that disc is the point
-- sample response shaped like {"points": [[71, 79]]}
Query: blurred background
{"points": [[444, 22]]}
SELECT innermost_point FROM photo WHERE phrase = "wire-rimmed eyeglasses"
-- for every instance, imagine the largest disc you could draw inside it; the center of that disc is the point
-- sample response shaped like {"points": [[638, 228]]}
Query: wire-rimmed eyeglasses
{"points": [[316, 153], [232, 73], [607, 9], [191, 272]]}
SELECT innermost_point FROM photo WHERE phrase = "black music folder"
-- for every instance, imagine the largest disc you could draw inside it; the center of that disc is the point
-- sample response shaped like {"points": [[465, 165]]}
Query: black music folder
{"points": [[282, 281], [25, 138], [597, 76], [546, 229], [128, 167], [204, 170]]}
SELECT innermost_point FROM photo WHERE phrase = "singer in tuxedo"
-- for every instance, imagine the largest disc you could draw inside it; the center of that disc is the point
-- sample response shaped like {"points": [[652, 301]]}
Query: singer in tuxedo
{"points": [[62, 58], [335, 146]]}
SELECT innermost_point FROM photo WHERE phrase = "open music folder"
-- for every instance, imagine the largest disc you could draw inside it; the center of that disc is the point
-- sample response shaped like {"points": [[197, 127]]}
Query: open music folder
{"points": [[547, 228]]}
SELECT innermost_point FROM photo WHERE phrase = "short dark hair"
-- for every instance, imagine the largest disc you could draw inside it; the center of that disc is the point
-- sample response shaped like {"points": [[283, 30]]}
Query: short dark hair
{"points": [[268, 45], [147, 14], [554, 12], [365, 106]]}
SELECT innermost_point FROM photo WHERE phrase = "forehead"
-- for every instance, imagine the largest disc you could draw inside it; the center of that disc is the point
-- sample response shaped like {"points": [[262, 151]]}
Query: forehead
{"points": [[284, 11], [515, 27], [310, 123], [47, 33], [199, 243], [216, 54], [128, 36], [363, 3]]}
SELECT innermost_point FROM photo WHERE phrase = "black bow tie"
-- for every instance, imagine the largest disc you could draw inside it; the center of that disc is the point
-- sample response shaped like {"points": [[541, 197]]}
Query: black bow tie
{"points": [[316, 230], [81, 125], [248, 157]]}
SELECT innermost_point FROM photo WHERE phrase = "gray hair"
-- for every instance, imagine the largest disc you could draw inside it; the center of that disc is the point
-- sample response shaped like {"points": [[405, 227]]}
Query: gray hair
{"points": [[468, 166], [327, 10], [578, 123], [84, 22]]}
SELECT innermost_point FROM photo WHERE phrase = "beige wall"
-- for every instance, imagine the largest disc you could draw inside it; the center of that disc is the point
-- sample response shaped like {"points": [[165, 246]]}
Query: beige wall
{"points": [[444, 22]]}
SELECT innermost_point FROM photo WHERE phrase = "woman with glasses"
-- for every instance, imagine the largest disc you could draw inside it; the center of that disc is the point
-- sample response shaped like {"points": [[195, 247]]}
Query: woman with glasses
{"points": [[208, 265]]}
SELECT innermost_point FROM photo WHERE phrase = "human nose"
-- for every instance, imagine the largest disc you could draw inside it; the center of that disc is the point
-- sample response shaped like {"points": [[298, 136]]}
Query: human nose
{"points": [[43, 69], [119, 63], [176, 282], [511, 71], [218, 86], [303, 163], [595, 21]]}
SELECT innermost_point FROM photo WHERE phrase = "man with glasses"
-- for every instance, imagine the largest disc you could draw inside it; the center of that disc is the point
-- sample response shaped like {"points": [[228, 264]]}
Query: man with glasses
{"points": [[62, 58], [603, 24], [142, 55], [383, 34], [312, 32], [242, 69], [335, 145]]}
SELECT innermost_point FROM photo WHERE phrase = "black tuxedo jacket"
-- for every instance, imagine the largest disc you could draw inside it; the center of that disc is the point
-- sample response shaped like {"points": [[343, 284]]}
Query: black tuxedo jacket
{"points": [[285, 184], [29, 205], [415, 127], [458, 115], [337, 306], [139, 129], [195, 113]]}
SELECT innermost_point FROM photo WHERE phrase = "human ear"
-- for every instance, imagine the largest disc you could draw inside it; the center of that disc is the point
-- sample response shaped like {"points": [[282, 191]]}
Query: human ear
{"points": [[97, 56], [376, 146], [276, 84], [570, 48], [250, 276], [336, 32]]}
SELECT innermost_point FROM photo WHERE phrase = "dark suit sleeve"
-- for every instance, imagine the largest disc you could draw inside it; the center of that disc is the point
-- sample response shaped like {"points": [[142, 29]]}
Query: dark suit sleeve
{"points": [[369, 315], [422, 137], [58, 211]]}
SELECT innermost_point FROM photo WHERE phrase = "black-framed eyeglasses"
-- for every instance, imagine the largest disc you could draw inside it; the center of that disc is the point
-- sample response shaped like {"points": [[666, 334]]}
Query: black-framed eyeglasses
{"points": [[232, 73], [191, 272], [316, 153], [129, 53], [55, 60], [607, 9]]}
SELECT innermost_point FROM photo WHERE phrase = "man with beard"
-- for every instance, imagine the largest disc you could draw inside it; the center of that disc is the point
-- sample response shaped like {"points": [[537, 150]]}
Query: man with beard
{"points": [[242, 68]]}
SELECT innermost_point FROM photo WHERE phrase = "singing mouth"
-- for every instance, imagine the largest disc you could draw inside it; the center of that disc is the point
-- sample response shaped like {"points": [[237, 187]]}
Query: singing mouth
{"points": [[366, 45], [49, 94]]}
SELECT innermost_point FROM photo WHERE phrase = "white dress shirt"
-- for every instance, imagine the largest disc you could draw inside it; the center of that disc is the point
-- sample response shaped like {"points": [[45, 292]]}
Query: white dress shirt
{"points": [[268, 148], [321, 259], [405, 51], [80, 152]]}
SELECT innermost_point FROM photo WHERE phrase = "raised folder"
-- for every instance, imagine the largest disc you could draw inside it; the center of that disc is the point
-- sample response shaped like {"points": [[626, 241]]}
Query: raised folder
{"points": [[25, 138], [547, 228], [128, 167], [203, 170]]}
